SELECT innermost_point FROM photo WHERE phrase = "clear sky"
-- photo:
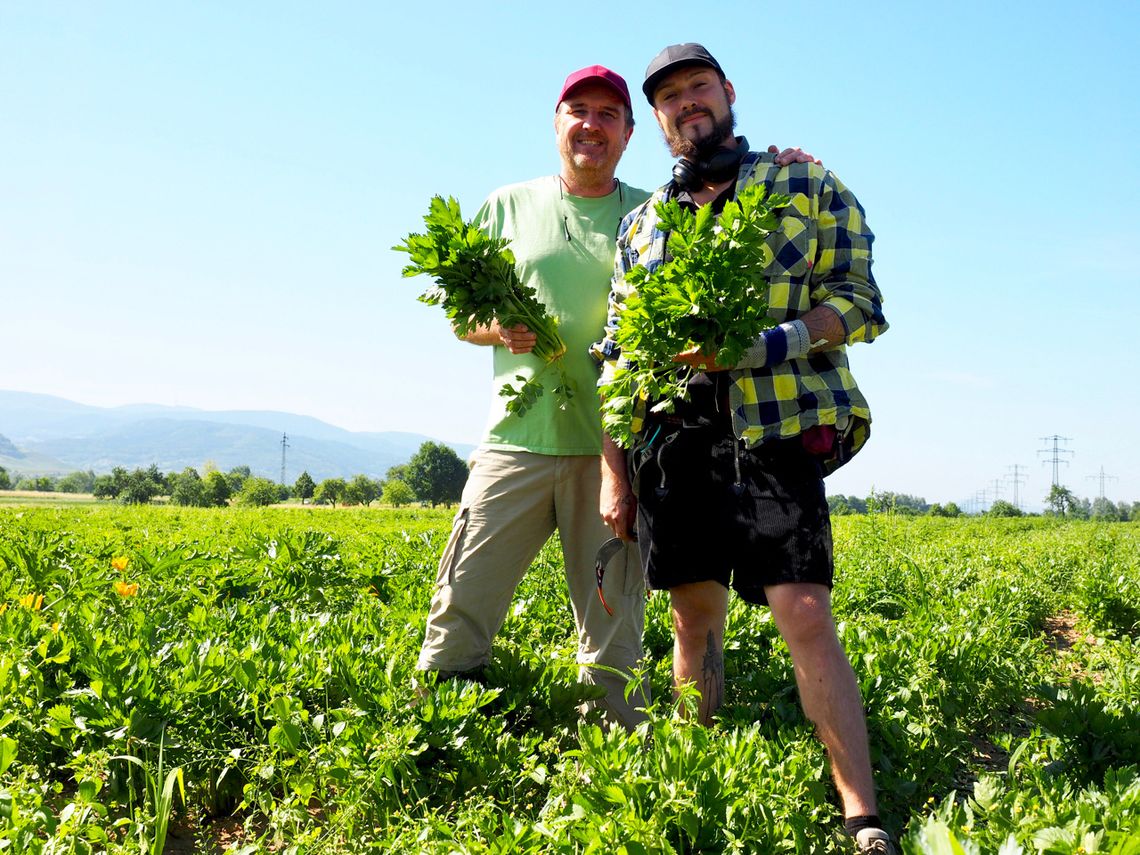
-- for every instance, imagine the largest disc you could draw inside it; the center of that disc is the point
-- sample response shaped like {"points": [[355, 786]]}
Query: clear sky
{"points": [[198, 201]]}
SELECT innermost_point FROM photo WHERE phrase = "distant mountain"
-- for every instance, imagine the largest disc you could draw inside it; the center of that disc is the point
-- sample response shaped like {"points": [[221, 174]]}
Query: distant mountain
{"points": [[9, 449], [48, 435], [17, 461]]}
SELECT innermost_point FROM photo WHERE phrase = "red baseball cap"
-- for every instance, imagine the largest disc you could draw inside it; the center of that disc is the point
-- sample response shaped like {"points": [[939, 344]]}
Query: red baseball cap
{"points": [[601, 74]]}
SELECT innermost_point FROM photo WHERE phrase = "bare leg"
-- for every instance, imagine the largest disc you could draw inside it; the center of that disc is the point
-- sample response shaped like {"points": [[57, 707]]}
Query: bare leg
{"points": [[828, 689], [699, 610]]}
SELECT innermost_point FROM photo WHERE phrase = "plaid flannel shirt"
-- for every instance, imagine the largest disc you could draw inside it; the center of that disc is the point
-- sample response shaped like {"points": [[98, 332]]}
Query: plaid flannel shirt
{"points": [[821, 255]]}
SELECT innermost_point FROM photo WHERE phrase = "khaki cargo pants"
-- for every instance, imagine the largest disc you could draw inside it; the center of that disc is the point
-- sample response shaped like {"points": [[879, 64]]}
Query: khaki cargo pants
{"points": [[511, 505]]}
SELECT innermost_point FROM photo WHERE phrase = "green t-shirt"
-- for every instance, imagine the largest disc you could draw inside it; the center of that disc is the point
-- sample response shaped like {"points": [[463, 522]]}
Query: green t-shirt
{"points": [[572, 279]]}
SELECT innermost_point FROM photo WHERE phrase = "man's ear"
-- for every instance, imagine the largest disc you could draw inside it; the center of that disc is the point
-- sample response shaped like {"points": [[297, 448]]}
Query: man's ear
{"points": [[730, 92]]}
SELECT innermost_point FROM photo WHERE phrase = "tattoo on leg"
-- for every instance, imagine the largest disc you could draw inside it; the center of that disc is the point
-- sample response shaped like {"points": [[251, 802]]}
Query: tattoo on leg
{"points": [[712, 675]]}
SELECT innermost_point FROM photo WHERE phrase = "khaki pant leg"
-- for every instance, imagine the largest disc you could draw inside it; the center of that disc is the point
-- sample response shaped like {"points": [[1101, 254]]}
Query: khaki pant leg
{"points": [[504, 518], [603, 639]]}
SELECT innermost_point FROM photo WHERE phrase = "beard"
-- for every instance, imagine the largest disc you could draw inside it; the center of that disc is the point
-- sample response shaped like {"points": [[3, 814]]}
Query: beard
{"points": [[703, 146], [590, 168]]}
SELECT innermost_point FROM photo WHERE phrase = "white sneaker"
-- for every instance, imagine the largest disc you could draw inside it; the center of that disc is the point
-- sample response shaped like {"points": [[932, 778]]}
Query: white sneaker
{"points": [[875, 841]]}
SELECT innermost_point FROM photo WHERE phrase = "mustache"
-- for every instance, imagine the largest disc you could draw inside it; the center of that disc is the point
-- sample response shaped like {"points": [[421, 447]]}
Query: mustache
{"points": [[695, 111]]}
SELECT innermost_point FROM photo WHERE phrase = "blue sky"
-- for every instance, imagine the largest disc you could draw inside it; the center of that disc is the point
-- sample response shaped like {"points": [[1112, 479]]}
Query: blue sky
{"points": [[198, 201]]}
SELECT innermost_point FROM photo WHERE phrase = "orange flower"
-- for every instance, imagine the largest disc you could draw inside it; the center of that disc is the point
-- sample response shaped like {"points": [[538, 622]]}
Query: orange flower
{"points": [[120, 562], [126, 589], [35, 602]]}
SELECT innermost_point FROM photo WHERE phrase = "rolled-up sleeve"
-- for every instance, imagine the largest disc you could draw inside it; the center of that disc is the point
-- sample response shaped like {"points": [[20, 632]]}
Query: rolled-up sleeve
{"points": [[841, 277]]}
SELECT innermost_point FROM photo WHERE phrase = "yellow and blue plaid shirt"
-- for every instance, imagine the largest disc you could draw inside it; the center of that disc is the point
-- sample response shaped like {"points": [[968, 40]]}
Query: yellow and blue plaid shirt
{"points": [[821, 255]]}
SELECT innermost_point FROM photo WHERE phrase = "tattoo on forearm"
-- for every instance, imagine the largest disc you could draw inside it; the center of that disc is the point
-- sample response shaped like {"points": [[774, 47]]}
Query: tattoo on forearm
{"points": [[825, 327], [712, 675]]}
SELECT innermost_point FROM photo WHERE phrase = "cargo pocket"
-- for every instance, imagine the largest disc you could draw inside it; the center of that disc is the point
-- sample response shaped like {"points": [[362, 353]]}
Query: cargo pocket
{"points": [[451, 552], [634, 582]]}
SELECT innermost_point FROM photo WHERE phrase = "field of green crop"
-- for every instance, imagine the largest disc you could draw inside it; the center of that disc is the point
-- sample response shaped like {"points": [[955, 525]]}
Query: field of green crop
{"points": [[178, 680]]}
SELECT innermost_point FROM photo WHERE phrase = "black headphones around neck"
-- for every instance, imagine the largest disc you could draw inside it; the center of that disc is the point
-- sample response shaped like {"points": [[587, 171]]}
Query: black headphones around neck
{"points": [[720, 166]]}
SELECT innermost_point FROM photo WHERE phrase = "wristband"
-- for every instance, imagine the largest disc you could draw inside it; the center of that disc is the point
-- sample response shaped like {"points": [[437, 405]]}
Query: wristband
{"points": [[778, 344]]}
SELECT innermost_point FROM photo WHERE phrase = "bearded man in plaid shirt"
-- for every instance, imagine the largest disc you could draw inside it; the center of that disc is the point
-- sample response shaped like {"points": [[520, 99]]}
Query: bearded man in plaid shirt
{"points": [[728, 489]]}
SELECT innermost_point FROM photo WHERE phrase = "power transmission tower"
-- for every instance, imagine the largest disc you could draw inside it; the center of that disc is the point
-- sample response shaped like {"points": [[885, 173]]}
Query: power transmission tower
{"points": [[1102, 477], [1017, 479], [284, 445], [1056, 453], [997, 488]]}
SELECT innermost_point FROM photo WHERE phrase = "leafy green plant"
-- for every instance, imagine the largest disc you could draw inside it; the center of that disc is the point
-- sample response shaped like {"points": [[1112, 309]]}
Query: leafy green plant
{"points": [[710, 294], [476, 283], [1030, 811], [1098, 735], [1109, 598], [269, 655]]}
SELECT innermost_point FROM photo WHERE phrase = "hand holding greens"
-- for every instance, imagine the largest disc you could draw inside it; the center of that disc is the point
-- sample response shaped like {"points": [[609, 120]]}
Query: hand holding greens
{"points": [[476, 284], [711, 294]]}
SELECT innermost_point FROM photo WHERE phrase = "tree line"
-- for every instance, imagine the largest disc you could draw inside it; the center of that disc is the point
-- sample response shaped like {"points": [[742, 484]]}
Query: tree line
{"points": [[1060, 502], [434, 475]]}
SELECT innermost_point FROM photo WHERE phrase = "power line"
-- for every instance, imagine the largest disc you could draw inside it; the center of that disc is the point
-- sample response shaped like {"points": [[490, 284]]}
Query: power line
{"points": [[1056, 451]]}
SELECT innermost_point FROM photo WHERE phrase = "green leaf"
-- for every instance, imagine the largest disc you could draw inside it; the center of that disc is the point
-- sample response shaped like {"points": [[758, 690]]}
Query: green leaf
{"points": [[8, 752], [615, 794], [286, 735], [163, 808]]}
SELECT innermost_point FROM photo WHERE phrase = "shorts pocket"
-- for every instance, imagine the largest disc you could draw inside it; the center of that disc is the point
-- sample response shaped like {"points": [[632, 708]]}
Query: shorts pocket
{"points": [[451, 552]]}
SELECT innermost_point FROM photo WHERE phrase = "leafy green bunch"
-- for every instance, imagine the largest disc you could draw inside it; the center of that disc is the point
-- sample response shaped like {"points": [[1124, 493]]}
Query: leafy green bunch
{"points": [[710, 294], [476, 283]]}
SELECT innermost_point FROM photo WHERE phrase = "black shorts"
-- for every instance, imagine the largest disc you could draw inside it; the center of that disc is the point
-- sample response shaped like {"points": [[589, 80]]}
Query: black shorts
{"points": [[711, 509]]}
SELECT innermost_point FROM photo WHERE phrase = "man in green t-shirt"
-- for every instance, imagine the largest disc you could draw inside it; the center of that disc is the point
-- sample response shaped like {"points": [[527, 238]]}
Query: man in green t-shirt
{"points": [[541, 472]]}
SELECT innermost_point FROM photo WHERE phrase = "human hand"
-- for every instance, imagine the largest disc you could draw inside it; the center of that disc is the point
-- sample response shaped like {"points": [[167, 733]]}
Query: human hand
{"points": [[617, 503], [518, 339], [694, 357], [618, 507], [793, 155]]}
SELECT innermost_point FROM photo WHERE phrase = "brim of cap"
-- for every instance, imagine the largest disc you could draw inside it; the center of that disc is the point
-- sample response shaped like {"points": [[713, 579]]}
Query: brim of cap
{"points": [[651, 82], [609, 84]]}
